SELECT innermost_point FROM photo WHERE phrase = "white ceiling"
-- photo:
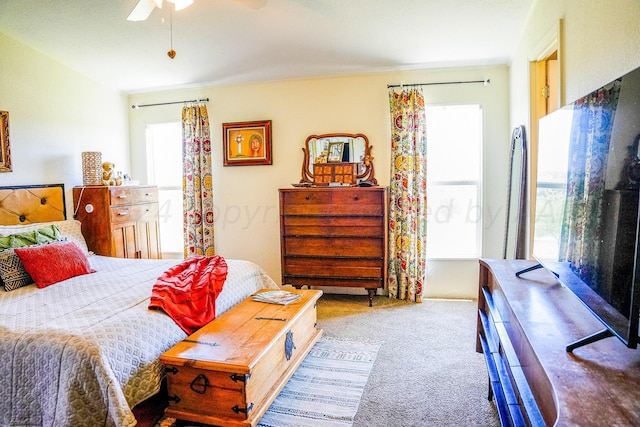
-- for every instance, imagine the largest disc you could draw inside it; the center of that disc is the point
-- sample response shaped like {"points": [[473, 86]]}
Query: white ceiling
{"points": [[224, 41]]}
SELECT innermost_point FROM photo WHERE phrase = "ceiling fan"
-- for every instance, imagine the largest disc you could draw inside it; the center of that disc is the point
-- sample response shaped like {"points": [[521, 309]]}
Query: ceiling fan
{"points": [[143, 8]]}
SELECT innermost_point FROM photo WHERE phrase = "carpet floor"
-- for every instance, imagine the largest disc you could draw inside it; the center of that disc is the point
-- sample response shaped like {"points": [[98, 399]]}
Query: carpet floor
{"points": [[427, 372]]}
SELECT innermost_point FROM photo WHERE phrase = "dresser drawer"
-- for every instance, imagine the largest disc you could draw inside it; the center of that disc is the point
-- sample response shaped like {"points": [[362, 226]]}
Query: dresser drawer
{"points": [[332, 226], [348, 246], [335, 267], [335, 210], [307, 198], [353, 197], [134, 213], [124, 195], [338, 201]]}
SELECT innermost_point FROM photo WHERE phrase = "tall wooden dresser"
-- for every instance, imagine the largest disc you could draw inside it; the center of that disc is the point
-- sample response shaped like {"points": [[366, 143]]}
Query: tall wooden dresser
{"points": [[119, 221], [334, 237]]}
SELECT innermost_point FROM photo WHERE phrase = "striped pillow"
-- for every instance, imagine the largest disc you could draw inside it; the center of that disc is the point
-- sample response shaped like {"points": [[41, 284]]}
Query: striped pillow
{"points": [[47, 234], [12, 272]]}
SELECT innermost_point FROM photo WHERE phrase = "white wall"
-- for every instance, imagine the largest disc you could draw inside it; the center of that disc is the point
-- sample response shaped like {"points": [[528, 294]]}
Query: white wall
{"points": [[246, 197], [54, 115], [600, 43]]}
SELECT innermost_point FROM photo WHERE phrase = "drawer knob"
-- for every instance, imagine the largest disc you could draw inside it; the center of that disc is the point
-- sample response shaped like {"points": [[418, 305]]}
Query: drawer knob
{"points": [[123, 213], [147, 194], [306, 197], [356, 197], [122, 196]]}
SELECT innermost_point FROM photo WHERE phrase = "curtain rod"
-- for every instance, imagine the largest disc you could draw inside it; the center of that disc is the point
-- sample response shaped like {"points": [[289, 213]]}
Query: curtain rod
{"points": [[136, 106], [485, 82]]}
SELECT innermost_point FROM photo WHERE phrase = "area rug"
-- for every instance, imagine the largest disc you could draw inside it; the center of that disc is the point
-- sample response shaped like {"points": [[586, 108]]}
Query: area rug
{"points": [[325, 390]]}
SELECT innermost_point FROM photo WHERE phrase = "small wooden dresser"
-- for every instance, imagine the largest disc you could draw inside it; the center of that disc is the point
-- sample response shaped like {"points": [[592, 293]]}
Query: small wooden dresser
{"points": [[119, 221], [334, 237]]}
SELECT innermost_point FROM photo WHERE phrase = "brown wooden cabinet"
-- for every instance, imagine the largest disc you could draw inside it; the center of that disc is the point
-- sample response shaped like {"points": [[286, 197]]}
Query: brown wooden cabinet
{"points": [[119, 221], [524, 326], [334, 237]]}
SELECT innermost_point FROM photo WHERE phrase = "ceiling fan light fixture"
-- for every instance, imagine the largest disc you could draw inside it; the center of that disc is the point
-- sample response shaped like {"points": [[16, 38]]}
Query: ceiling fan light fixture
{"points": [[181, 4]]}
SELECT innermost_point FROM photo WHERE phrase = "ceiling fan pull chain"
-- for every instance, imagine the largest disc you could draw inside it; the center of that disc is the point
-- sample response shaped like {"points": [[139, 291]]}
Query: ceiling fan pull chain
{"points": [[171, 53]]}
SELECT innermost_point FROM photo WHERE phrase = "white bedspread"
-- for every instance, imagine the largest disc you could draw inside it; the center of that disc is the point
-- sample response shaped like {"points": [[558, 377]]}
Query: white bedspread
{"points": [[83, 351]]}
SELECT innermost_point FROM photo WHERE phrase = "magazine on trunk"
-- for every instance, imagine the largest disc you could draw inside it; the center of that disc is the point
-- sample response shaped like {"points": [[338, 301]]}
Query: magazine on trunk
{"points": [[276, 297]]}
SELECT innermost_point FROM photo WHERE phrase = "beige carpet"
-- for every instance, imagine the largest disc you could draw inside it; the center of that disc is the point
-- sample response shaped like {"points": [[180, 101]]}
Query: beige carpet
{"points": [[427, 372]]}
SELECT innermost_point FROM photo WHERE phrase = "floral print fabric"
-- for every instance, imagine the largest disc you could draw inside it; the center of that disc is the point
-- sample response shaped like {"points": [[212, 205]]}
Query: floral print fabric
{"points": [[408, 187], [197, 182], [588, 151]]}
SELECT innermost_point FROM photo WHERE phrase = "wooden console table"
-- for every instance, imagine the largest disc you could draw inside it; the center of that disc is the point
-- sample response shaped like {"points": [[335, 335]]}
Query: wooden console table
{"points": [[524, 325]]}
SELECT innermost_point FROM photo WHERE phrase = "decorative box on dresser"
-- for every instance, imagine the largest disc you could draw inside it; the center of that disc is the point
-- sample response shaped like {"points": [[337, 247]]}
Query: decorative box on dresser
{"points": [[334, 237], [119, 221], [524, 326]]}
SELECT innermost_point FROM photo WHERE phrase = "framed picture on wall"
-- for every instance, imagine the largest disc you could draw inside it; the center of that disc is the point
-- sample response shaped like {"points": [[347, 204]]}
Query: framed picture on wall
{"points": [[247, 143], [5, 149]]}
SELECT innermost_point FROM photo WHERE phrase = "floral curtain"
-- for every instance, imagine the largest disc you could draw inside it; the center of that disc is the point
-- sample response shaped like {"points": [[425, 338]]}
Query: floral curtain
{"points": [[196, 181], [588, 150], [408, 195]]}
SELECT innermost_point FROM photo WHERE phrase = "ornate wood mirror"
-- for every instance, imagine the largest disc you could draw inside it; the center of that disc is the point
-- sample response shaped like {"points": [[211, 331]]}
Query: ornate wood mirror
{"points": [[338, 148], [515, 229]]}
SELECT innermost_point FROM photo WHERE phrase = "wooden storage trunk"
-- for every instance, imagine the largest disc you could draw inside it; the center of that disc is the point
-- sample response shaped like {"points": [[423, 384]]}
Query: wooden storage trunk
{"points": [[229, 372]]}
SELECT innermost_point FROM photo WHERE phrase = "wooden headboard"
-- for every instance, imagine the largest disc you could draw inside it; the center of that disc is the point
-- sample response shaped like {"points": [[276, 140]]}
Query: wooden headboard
{"points": [[28, 204]]}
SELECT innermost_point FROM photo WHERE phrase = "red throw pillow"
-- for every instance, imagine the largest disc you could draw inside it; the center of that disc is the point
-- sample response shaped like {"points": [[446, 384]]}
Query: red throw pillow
{"points": [[52, 263]]}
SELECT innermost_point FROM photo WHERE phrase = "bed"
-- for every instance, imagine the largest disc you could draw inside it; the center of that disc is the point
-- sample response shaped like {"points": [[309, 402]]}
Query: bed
{"points": [[85, 350]]}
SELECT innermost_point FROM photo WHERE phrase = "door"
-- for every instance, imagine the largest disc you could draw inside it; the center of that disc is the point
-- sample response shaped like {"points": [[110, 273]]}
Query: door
{"points": [[124, 240]]}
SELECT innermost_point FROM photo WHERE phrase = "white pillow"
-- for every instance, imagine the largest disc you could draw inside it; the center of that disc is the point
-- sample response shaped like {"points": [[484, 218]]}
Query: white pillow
{"points": [[69, 229]]}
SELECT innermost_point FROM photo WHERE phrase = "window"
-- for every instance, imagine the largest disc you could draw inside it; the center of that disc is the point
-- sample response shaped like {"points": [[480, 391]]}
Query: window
{"points": [[454, 159], [551, 184], [164, 169]]}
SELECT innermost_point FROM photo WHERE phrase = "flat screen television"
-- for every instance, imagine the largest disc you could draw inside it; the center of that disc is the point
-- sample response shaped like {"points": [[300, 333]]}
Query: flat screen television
{"points": [[586, 216]]}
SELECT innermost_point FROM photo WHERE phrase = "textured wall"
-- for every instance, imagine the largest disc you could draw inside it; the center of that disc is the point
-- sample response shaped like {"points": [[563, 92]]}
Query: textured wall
{"points": [[55, 114]]}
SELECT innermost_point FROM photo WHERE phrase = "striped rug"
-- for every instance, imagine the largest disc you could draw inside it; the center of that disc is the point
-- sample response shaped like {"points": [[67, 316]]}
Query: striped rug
{"points": [[325, 390]]}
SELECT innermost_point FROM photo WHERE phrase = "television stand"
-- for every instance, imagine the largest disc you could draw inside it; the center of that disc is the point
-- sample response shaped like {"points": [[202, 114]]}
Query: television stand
{"points": [[523, 328], [533, 268], [528, 269], [605, 333]]}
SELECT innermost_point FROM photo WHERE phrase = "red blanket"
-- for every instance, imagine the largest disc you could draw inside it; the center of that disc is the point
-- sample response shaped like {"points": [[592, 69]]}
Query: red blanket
{"points": [[187, 292]]}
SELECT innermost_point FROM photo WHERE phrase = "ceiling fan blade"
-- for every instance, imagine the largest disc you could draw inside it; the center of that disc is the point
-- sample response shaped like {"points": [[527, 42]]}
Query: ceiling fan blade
{"points": [[181, 4], [143, 9], [253, 4]]}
